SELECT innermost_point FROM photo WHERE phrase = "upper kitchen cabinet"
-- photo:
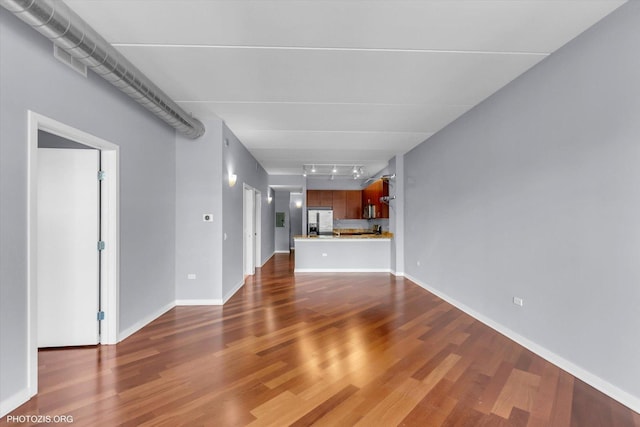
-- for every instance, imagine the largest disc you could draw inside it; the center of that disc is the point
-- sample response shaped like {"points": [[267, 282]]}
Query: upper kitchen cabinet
{"points": [[313, 198], [339, 204], [320, 198], [353, 209], [372, 195], [346, 204]]}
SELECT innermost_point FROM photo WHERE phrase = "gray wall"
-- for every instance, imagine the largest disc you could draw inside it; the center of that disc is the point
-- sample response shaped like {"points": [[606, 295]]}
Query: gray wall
{"points": [[281, 201], [238, 159], [289, 181], [535, 193], [199, 184], [31, 79], [396, 213], [202, 169], [49, 140], [295, 213]]}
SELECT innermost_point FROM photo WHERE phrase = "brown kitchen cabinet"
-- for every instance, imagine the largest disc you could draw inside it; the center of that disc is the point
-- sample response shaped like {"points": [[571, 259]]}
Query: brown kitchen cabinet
{"points": [[353, 209], [326, 198], [339, 204], [319, 198], [313, 198], [372, 195], [346, 204]]}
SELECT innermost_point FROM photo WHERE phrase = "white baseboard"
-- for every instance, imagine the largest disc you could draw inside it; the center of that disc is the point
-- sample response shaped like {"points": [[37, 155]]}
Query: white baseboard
{"points": [[342, 270], [186, 302], [267, 260], [398, 273], [123, 335], [181, 302], [12, 402], [232, 292], [283, 252], [627, 399]]}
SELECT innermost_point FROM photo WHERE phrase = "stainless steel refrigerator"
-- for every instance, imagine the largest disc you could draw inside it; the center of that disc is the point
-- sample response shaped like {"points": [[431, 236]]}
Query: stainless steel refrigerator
{"points": [[320, 222]]}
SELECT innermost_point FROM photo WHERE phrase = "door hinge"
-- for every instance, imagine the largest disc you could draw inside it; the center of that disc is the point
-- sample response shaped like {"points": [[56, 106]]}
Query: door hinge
{"points": [[101, 245], [101, 315], [102, 175]]}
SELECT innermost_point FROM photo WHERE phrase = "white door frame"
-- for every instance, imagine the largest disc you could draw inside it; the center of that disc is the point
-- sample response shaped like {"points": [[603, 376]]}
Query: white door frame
{"points": [[256, 218], [109, 230], [257, 228], [248, 208]]}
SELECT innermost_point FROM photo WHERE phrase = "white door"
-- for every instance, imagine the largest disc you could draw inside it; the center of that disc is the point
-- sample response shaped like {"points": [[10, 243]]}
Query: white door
{"points": [[68, 259], [249, 232], [257, 232]]}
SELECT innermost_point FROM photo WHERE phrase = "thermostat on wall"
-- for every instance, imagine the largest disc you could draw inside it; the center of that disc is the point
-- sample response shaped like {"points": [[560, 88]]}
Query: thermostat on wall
{"points": [[207, 217]]}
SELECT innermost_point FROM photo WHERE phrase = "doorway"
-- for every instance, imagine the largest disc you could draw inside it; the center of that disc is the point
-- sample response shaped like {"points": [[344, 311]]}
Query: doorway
{"points": [[252, 229], [107, 230]]}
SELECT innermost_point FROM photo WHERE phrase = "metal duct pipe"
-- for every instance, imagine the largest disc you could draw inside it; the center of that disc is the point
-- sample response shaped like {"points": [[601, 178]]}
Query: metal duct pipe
{"points": [[56, 21]]}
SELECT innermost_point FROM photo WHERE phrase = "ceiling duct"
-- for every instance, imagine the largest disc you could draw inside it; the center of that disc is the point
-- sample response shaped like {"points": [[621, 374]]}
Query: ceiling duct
{"points": [[56, 21]]}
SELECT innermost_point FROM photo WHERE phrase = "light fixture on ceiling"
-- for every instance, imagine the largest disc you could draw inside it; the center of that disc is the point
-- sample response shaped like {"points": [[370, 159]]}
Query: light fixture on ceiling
{"points": [[298, 203], [333, 170]]}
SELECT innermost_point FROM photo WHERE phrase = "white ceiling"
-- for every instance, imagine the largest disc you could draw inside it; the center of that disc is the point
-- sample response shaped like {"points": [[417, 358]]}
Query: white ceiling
{"points": [[336, 81]]}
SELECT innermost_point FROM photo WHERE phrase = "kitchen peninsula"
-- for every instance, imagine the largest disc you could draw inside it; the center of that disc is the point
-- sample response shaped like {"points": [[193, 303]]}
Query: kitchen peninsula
{"points": [[345, 251]]}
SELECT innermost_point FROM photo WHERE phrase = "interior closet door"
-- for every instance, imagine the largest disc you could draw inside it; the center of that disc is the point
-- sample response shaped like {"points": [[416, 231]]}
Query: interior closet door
{"points": [[68, 256]]}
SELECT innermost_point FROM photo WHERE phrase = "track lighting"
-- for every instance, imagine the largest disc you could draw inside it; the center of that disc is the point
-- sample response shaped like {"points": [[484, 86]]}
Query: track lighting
{"points": [[332, 170]]}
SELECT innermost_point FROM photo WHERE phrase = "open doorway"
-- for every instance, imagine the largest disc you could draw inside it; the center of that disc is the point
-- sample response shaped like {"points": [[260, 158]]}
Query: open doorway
{"points": [[105, 251], [252, 229]]}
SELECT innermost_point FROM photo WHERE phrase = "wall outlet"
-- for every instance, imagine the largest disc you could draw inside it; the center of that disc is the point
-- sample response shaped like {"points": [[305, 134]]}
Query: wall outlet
{"points": [[324, 254], [191, 276], [418, 263], [518, 301]]}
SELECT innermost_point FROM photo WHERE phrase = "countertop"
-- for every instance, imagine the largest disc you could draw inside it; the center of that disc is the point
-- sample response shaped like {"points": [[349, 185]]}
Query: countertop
{"points": [[349, 235]]}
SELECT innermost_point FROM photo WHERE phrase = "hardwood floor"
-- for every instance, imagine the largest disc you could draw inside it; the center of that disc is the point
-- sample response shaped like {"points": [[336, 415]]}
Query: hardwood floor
{"points": [[328, 350]]}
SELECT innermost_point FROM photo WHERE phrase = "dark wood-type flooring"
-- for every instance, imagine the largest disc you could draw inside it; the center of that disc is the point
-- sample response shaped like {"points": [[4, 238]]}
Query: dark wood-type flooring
{"points": [[317, 349]]}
